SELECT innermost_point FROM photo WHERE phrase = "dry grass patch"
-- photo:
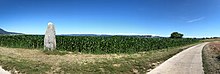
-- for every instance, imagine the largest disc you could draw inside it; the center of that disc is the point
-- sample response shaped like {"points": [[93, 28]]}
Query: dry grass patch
{"points": [[211, 40], [38, 55], [211, 60]]}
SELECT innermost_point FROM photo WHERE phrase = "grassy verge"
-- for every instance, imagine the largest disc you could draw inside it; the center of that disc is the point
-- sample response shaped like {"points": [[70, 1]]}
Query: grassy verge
{"points": [[211, 60], [37, 62], [140, 63], [23, 66]]}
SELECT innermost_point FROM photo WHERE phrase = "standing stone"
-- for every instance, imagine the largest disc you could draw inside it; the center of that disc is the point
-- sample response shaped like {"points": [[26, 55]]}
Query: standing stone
{"points": [[50, 37]]}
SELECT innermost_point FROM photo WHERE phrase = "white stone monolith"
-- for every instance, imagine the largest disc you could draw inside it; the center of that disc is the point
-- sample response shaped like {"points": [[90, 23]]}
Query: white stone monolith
{"points": [[50, 37]]}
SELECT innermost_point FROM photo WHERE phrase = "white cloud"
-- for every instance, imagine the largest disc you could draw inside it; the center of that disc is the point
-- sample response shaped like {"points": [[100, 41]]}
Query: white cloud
{"points": [[195, 20]]}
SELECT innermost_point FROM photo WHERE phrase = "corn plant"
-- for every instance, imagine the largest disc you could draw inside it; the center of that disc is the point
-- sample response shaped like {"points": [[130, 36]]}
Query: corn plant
{"points": [[95, 44]]}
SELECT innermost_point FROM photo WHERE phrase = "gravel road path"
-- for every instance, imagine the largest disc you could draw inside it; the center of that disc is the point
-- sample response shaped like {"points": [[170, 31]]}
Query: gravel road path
{"points": [[188, 61]]}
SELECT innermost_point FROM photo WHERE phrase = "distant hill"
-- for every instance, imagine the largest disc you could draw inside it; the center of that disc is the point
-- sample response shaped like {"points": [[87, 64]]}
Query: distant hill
{"points": [[5, 32]]}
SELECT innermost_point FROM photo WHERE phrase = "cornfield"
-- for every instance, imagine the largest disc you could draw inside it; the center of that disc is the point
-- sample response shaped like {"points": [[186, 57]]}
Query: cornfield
{"points": [[95, 44]]}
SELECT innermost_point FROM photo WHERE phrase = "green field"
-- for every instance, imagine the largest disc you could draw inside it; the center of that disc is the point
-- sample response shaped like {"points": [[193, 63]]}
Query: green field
{"points": [[95, 44], [107, 54]]}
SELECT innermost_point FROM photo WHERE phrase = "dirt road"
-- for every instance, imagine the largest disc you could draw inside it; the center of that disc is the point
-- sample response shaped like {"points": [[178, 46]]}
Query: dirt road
{"points": [[188, 61]]}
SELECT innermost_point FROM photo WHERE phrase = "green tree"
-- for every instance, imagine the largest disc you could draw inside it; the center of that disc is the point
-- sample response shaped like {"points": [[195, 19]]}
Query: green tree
{"points": [[176, 35]]}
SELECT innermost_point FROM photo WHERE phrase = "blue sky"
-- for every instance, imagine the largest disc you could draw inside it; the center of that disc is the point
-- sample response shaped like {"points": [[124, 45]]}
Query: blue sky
{"points": [[193, 18]]}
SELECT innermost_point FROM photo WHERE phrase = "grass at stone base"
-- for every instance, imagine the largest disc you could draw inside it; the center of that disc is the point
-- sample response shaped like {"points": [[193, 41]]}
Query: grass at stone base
{"points": [[133, 63], [54, 52]]}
